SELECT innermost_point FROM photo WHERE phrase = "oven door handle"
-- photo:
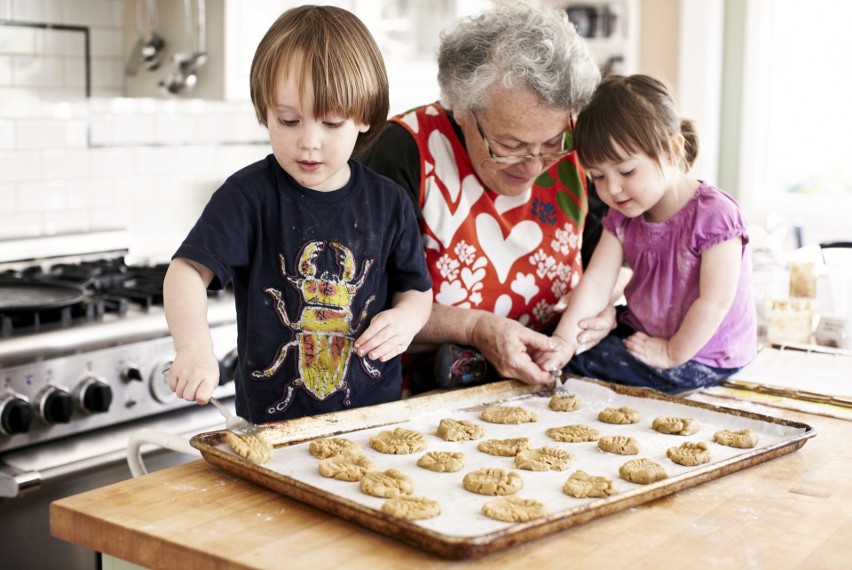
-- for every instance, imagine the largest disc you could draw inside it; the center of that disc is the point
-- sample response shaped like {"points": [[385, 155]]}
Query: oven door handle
{"points": [[154, 437], [14, 481]]}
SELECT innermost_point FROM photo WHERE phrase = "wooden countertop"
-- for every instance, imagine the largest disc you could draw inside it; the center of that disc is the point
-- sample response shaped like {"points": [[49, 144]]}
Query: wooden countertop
{"points": [[790, 512]]}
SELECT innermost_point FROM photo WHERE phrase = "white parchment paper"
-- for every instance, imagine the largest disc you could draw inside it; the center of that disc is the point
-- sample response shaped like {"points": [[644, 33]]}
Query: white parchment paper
{"points": [[461, 510]]}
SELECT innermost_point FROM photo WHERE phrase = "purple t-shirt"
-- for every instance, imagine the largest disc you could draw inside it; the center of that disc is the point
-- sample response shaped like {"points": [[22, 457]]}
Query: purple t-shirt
{"points": [[666, 262]]}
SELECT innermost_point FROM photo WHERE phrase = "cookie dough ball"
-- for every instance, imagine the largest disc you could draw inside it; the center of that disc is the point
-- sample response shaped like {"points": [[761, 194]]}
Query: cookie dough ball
{"points": [[620, 444], [412, 508], [622, 415], [400, 441], [459, 430], [744, 438], [504, 447], [508, 415], [388, 484], [564, 403], [676, 426], [441, 461], [689, 454], [345, 466], [493, 481], [582, 485], [543, 459], [643, 471], [573, 433], [513, 509], [329, 446]]}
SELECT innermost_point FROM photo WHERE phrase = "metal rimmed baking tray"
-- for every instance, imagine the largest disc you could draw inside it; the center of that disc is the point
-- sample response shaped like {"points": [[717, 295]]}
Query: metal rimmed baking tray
{"points": [[461, 531]]}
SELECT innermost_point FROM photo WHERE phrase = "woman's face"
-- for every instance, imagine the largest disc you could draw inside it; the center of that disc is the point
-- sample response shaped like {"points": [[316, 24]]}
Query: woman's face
{"points": [[515, 123]]}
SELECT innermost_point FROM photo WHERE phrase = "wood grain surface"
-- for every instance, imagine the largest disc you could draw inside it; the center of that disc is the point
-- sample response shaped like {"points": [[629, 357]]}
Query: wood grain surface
{"points": [[790, 512]]}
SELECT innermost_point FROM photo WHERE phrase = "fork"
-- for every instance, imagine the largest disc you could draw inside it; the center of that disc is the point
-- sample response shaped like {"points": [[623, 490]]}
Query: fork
{"points": [[233, 422]]}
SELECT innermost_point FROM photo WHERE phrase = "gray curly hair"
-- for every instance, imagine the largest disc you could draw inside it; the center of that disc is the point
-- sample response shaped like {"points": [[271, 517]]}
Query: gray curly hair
{"points": [[516, 46]]}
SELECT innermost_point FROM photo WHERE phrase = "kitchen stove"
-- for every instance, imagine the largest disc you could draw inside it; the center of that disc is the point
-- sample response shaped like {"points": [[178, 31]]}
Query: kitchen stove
{"points": [[83, 344]]}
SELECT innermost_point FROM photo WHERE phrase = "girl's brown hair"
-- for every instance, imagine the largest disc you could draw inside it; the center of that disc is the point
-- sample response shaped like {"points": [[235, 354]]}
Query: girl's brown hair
{"points": [[635, 114], [336, 55]]}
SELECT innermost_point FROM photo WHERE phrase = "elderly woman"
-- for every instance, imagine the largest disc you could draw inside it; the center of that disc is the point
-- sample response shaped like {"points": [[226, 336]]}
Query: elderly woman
{"points": [[502, 200]]}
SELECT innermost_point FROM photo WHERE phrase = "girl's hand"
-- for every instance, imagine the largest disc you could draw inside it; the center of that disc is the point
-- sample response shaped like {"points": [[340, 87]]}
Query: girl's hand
{"points": [[653, 351], [389, 335], [194, 374], [558, 357]]}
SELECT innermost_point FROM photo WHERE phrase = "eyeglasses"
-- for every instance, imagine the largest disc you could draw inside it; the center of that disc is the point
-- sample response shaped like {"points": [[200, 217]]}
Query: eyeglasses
{"points": [[567, 148]]}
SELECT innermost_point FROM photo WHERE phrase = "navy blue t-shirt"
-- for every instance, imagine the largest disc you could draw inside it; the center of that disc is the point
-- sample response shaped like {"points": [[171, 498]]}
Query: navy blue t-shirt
{"points": [[309, 269]]}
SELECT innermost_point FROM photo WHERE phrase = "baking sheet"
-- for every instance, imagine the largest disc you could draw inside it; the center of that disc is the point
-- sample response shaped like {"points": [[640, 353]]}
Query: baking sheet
{"points": [[461, 530]]}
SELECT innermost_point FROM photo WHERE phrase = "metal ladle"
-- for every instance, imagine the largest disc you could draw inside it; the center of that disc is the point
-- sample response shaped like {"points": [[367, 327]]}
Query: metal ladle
{"points": [[152, 50], [185, 77], [148, 50]]}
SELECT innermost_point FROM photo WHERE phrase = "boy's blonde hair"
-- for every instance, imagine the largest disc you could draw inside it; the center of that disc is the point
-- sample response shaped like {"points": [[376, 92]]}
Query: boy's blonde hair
{"points": [[336, 55], [633, 114]]}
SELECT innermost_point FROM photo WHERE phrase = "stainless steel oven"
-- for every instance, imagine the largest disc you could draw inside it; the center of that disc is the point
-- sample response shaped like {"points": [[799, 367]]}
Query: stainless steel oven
{"points": [[83, 343]]}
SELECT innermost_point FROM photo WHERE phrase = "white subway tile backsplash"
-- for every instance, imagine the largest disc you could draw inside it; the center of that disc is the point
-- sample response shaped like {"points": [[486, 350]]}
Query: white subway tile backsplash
{"points": [[93, 12], [5, 71], [66, 222], [70, 164], [21, 225], [16, 40], [106, 42], [51, 133], [130, 129], [87, 193], [8, 199], [36, 71], [112, 162], [41, 196], [67, 164], [37, 10], [20, 165], [7, 134]]}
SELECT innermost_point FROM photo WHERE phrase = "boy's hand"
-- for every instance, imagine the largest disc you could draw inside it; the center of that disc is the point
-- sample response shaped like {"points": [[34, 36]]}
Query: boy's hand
{"points": [[194, 374], [389, 335]]}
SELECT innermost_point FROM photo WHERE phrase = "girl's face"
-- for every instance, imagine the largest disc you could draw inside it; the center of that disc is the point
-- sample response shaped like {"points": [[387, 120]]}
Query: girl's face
{"points": [[635, 184], [313, 150]]}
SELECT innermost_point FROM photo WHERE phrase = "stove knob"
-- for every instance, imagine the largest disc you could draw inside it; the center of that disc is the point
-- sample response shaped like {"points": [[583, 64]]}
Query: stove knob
{"points": [[55, 405], [95, 395], [132, 373], [15, 415]]}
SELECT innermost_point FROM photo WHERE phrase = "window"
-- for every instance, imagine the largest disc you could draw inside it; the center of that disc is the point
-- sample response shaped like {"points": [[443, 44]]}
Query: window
{"points": [[795, 167]]}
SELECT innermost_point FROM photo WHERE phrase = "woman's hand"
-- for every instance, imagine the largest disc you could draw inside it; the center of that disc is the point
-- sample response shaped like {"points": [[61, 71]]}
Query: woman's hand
{"points": [[509, 347]]}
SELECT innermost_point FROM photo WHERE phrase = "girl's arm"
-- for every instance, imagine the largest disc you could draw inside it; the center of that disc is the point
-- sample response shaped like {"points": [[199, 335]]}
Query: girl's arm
{"points": [[590, 297], [194, 373], [392, 330], [718, 283]]}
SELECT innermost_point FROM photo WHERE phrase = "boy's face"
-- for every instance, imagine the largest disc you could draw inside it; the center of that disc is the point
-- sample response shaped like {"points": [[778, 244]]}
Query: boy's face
{"points": [[313, 150]]}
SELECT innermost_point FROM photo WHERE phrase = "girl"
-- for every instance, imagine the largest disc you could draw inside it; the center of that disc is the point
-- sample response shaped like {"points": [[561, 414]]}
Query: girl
{"points": [[690, 318], [325, 255]]}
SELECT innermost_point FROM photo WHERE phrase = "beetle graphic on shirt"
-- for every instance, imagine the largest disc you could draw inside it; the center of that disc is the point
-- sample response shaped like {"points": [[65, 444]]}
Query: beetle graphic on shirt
{"points": [[325, 328]]}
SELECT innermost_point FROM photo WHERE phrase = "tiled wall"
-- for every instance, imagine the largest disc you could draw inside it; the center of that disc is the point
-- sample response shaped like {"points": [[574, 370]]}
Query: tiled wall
{"points": [[71, 164]]}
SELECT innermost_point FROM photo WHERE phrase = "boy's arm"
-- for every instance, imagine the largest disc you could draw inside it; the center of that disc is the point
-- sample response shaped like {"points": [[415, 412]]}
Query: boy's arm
{"points": [[392, 330], [590, 297], [718, 283], [194, 373]]}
